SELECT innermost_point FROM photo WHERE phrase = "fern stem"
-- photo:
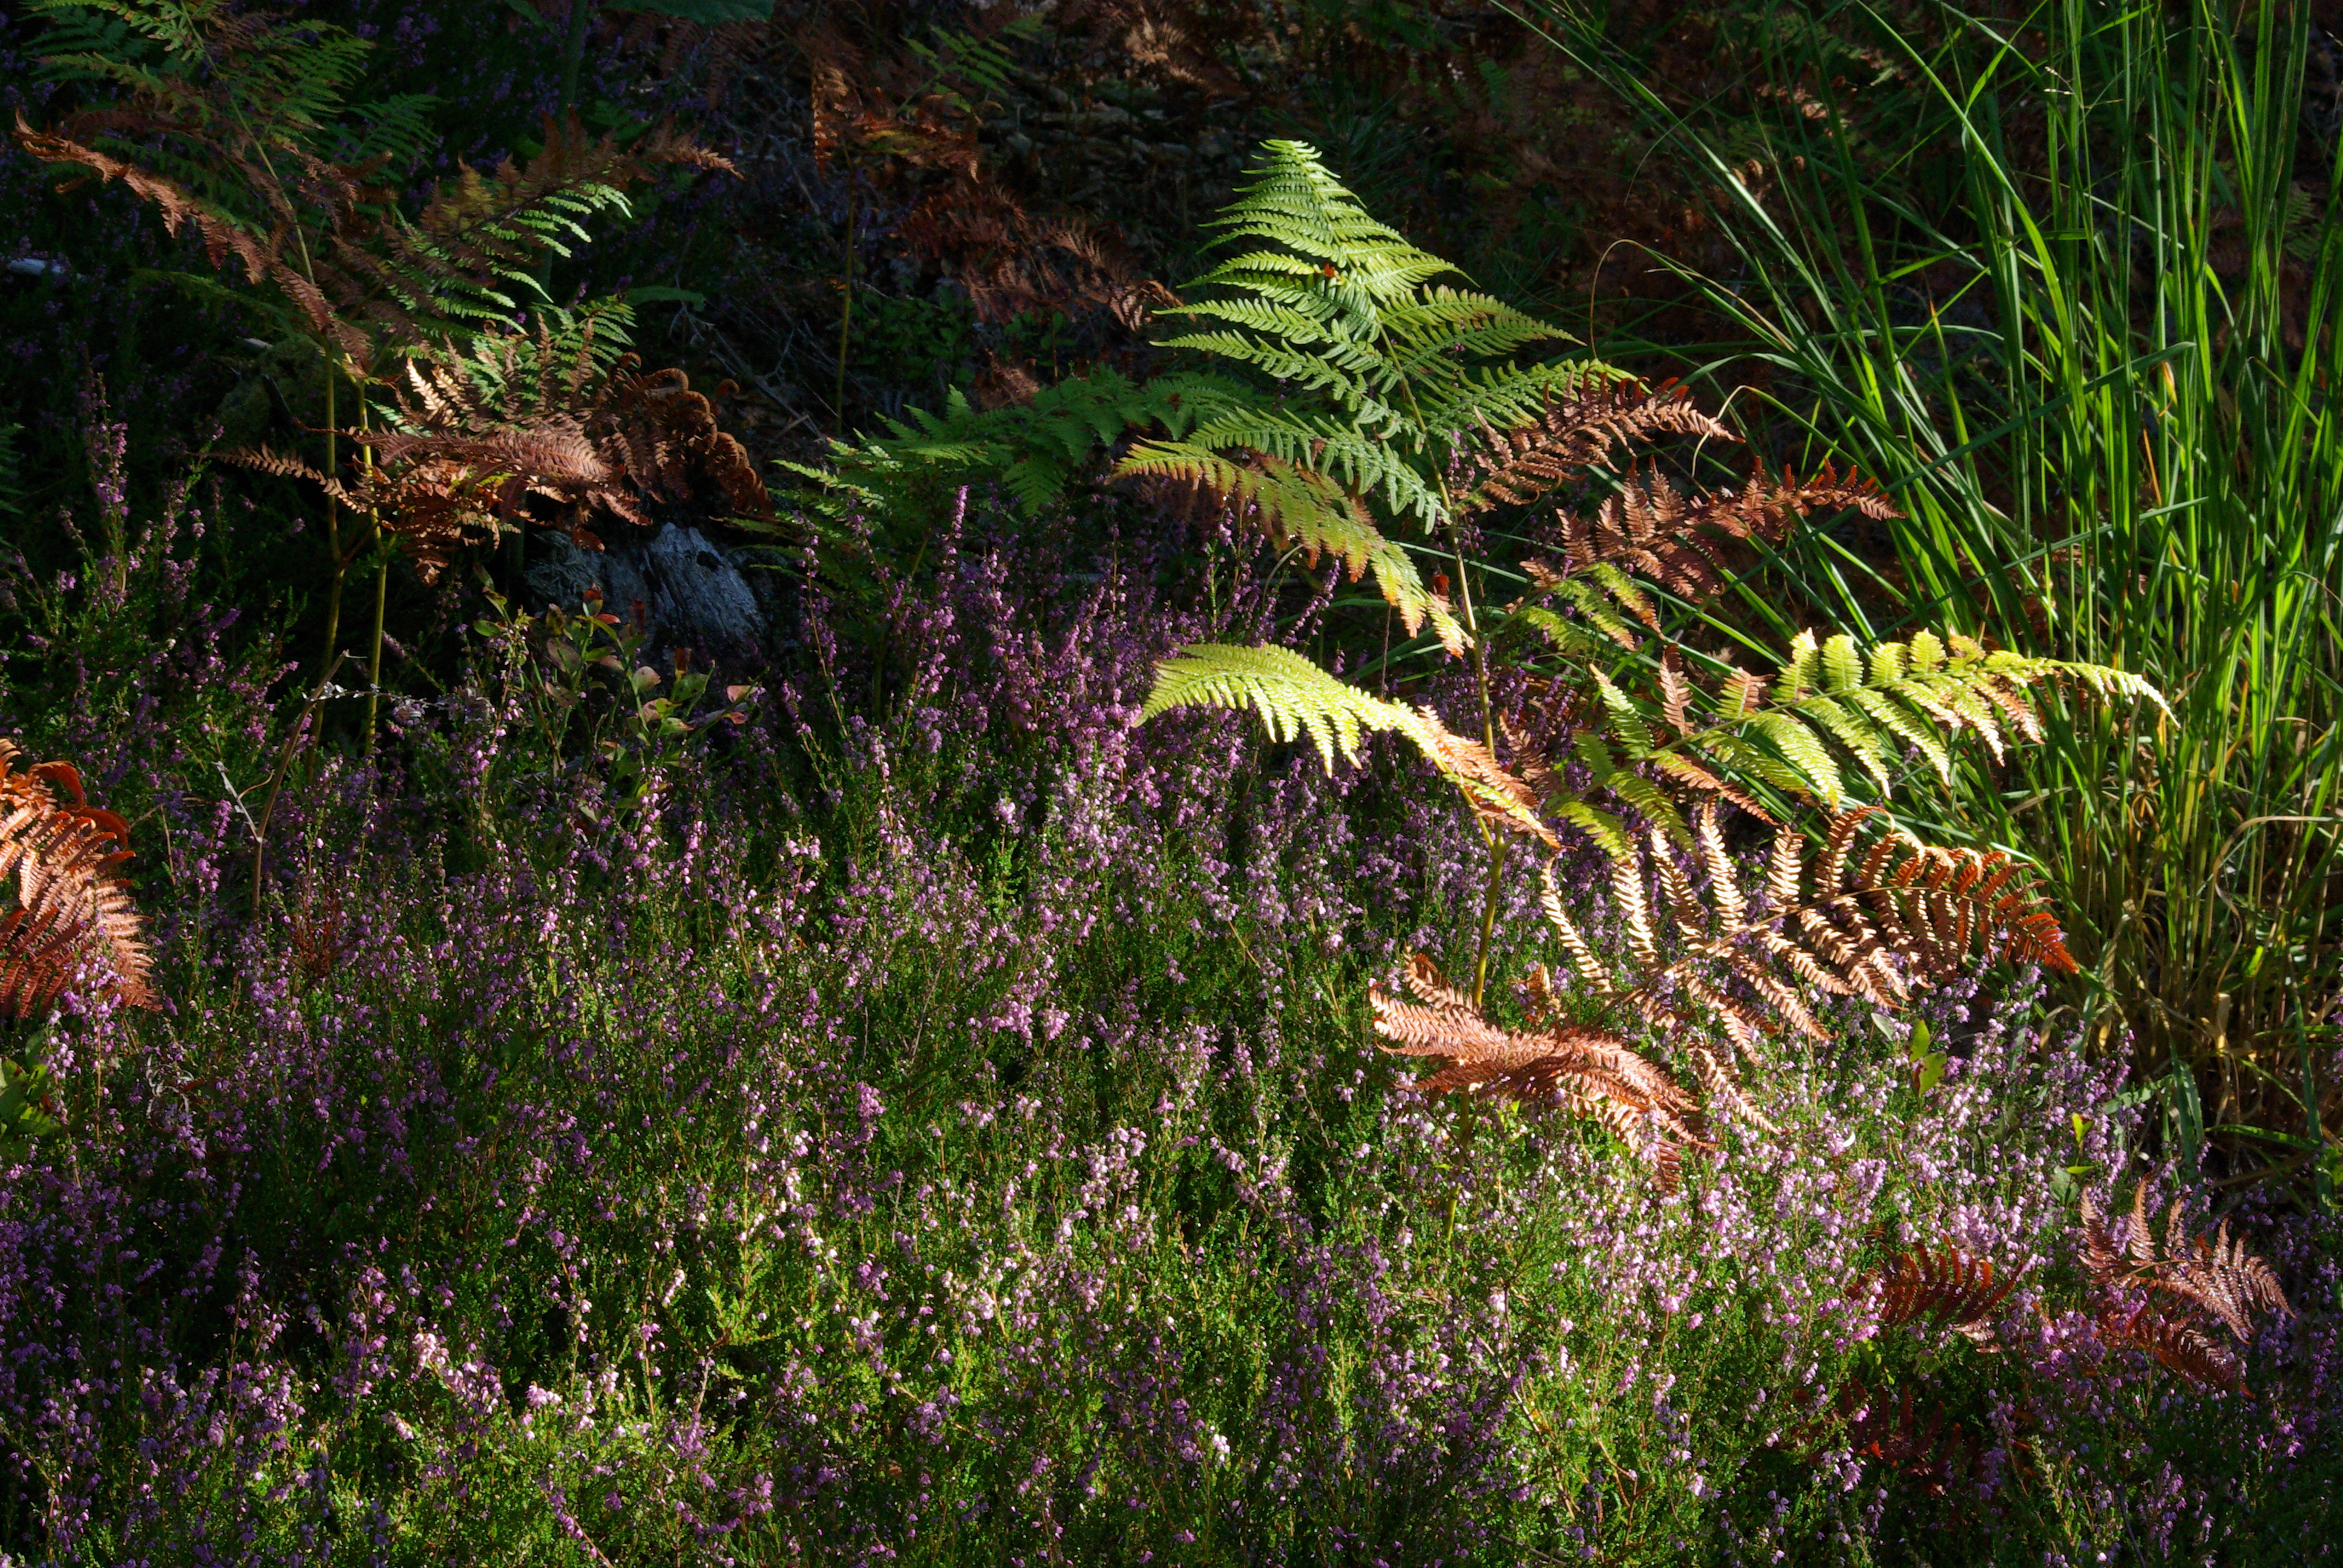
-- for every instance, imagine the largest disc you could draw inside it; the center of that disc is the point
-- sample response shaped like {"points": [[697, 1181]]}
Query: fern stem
{"points": [[333, 531], [381, 595], [1497, 842], [1497, 848]]}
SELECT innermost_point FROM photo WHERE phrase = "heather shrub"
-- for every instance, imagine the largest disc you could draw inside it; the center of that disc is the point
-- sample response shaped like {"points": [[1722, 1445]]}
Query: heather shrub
{"points": [[946, 1129], [132, 655]]}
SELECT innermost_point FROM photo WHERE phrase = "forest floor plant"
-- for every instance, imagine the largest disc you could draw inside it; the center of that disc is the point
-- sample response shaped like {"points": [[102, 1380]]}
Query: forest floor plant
{"points": [[1411, 420]]}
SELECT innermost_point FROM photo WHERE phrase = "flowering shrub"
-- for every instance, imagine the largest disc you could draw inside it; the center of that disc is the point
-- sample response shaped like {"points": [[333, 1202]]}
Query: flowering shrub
{"points": [[943, 1124]]}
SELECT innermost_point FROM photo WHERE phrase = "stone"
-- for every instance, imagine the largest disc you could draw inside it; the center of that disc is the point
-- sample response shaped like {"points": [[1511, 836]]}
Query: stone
{"points": [[686, 587]]}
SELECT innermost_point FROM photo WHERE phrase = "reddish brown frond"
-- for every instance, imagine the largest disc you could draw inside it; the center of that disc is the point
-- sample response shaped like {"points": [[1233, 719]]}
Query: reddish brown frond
{"points": [[1889, 1427], [1497, 793], [319, 939], [1947, 1287], [1588, 1072], [2177, 1344], [1518, 465], [2102, 1257], [2215, 1276], [71, 901], [1590, 973], [558, 430], [1012, 261]]}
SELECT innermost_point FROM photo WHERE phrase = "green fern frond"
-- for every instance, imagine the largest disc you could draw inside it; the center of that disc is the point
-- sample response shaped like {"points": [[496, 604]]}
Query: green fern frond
{"points": [[1035, 450], [1381, 368], [1831, 703], [1294, 698]]}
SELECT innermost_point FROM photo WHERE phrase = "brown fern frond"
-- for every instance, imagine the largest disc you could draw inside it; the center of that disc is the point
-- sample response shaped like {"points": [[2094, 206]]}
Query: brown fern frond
{"points": [[1586, 1071], [2215, 1276], [1590, 973], [2177, 1344], [1689, 545], [320, 941], [1887, 1426], [71, 900], [2221, 1276], [1947, 1287], [2102, 1257], [1498, 795], [1010, 261], [1870, 925], [1518, 465], [1179, 40], [463, 461], [661, 432]]}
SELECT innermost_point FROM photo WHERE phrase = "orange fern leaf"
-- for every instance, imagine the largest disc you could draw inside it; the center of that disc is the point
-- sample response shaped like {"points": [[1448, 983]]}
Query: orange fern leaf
{"points": [[71, 902], [1518, 465], [1586, 1071]]}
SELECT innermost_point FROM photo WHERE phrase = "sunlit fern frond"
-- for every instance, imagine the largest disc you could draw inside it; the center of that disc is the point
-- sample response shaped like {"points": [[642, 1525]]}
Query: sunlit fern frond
{"points": [[1294, 698], [1307, 510], [1650, 535], [1586, 1071], [2214, 1275], [1719, 965], [1947, 1287], [1378, 368], [1319, 230], [71, 901], [1576, 432], [1832, 706], [1356, 460]]}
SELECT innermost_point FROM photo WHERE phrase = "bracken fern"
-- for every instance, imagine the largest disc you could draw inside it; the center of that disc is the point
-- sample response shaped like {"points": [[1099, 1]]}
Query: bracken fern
{"points": [[1389, 385]]}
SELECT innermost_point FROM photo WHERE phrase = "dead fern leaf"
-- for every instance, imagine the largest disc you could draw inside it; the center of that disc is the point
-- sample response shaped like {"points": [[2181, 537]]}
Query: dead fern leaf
{"points": [[1518, 465], [1890, 1427], [1870, 925], [1585, 1071], [1685, 545], [2214, 1276], [72, 903], [2178, 1343], [1947, 1287]]}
